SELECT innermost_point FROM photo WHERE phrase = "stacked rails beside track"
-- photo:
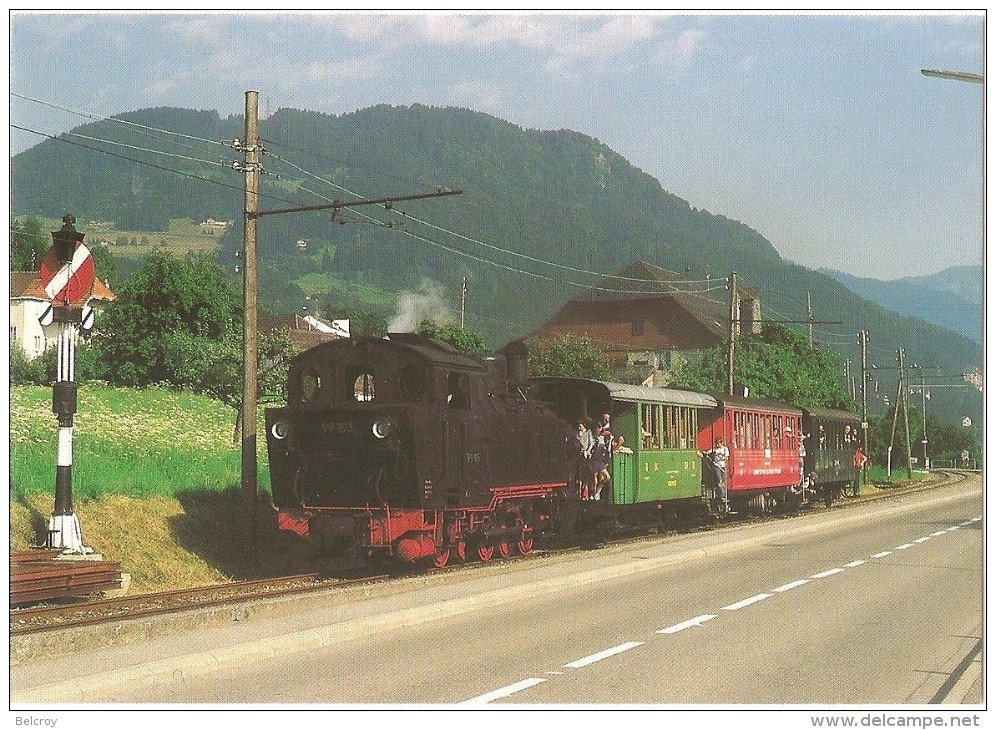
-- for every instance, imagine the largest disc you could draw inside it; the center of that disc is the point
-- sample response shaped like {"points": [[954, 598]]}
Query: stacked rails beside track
{"points": [[41, 575]]}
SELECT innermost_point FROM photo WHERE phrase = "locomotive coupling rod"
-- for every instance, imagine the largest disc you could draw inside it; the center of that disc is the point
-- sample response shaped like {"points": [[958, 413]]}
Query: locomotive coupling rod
{"points": [[339, 204]]}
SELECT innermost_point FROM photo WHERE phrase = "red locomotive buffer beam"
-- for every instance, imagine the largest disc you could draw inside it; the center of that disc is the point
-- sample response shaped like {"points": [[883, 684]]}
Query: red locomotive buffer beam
{"points": [[38, 576]]}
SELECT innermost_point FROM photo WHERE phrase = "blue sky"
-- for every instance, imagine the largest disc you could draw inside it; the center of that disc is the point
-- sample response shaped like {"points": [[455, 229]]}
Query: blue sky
{"points": [[819, 131]]}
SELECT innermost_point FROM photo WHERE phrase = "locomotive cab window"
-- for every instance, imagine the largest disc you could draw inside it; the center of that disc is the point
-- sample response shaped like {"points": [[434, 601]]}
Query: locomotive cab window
{"points": [[412, 382], [457, 390], [311, 383], [363, 386]]}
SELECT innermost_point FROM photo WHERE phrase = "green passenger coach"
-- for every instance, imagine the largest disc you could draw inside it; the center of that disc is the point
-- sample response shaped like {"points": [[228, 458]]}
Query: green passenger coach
{"points": [[658, 460]]}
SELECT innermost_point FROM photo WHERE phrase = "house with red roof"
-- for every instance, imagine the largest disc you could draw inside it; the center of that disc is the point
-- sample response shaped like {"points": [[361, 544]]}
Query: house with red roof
{"points": [[28, 301], [646, 319]]}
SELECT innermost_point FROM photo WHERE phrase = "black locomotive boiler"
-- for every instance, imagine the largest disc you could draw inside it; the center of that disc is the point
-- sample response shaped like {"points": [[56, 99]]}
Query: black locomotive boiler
{"points": [[406, 447]]}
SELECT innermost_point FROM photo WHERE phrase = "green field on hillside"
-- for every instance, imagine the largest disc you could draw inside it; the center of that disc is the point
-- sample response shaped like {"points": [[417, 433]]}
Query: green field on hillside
{"points": [[138, 443]]}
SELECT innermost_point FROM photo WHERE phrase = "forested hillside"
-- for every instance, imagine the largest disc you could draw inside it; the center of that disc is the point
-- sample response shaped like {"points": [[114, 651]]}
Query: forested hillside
{"points": [[542, 215]]}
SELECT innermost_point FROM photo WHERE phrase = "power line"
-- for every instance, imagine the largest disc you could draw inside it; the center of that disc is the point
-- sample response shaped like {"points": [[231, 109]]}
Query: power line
{"points": [[114, 120], [146, 163]]}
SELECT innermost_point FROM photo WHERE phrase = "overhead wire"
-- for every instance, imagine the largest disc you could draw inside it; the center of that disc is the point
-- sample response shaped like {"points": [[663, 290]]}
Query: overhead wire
{"points": [[493, 247], [118, 120], [710, 285]]}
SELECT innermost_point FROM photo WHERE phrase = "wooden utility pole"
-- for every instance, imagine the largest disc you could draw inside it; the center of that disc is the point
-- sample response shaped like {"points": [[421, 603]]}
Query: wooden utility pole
{"points": [[463, 301], [250, 325], [901, 397], [809, 318], [863, 341], [732, 333]]}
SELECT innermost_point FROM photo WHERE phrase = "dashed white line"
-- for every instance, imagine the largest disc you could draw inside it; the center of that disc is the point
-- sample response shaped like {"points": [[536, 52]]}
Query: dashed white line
{"points": [[790, 586], [604, 654], [697, 621], [504, 691], [746, 602], [828, 573]]}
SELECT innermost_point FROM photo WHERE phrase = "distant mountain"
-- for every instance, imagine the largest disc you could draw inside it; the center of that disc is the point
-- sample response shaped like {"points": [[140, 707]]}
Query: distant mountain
{"points": [[542, 215], [951, 299]]}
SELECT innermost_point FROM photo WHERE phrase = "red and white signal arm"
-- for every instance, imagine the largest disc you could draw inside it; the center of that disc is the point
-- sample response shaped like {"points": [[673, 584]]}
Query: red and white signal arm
{"points": [[69, 284]]}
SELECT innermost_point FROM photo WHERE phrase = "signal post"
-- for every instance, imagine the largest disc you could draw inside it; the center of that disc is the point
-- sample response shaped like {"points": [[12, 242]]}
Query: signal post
{"points": [[67, 273]]}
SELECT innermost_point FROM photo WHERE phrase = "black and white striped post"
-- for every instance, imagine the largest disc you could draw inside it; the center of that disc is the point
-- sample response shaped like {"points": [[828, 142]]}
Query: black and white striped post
{"points": [[67, 274], [64, 531]]}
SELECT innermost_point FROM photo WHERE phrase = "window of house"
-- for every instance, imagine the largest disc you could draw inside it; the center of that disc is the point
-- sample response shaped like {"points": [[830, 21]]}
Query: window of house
{"points": [[13, 333]]}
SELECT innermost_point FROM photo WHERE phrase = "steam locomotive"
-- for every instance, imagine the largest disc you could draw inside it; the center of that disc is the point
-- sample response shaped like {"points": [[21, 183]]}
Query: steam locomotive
{"points": [[408, 448]]}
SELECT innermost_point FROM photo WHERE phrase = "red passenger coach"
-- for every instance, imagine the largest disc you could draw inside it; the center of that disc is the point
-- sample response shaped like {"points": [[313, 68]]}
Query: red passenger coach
{"points": [[763, 439]]}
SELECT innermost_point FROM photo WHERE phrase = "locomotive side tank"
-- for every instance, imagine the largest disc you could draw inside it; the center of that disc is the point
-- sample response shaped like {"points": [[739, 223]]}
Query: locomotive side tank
{"points": [[406, 447]]}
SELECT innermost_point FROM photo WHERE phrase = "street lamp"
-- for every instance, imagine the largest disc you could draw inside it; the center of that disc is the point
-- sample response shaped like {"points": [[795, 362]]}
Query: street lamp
{"points": [[954, 75]]}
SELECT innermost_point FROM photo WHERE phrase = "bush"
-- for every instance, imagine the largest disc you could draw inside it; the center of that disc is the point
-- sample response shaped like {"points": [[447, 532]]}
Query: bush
{"points": [[25, 371]]}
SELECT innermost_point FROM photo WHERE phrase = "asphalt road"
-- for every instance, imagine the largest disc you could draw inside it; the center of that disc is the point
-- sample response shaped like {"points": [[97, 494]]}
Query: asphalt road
{"points": [[879, 604]]}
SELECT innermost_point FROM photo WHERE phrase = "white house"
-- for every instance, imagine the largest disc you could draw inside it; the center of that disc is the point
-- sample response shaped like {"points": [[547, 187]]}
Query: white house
{"points": [[28, 301]]}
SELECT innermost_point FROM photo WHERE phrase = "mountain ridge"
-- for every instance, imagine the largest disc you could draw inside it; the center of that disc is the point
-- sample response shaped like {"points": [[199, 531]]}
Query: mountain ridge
{"points": [[542, 214], [951, 298]]}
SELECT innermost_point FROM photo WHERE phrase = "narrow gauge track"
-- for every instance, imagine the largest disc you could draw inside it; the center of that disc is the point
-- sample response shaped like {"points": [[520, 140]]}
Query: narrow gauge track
{"points": [[91, 613]]}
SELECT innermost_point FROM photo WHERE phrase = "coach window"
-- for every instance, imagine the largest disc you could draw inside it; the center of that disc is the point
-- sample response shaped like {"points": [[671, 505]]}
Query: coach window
{"points": [[650, 426]]}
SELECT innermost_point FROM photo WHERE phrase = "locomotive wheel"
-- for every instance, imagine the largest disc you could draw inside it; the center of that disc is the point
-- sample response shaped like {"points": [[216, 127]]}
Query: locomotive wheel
{"points": [[525, 545], [441, 558], [461, 550], [505, 548], [485, 552]]}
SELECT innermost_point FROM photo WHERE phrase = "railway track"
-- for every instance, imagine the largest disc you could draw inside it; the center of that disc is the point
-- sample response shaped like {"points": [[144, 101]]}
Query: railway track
{"points": [[92, 613], [26, 621]]}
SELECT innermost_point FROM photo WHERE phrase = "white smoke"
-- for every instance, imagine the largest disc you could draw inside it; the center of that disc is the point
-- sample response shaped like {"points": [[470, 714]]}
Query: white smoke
{"points": [[412, 308]]}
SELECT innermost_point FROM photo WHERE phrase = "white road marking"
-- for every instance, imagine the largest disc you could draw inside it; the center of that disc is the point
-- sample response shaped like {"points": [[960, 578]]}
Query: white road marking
{"points": [[604, 654], [746, 602], [828, 573], [790, 586], [697, 621], [504, 691]]}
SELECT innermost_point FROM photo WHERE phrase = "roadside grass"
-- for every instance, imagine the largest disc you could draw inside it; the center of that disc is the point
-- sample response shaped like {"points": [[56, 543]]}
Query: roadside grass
{"points": [[155, 482]]}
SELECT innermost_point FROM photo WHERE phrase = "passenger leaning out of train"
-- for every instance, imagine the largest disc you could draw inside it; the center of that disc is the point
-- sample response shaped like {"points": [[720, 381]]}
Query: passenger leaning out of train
{"points": [[599, 467], [582, 445], [718, 456]]}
